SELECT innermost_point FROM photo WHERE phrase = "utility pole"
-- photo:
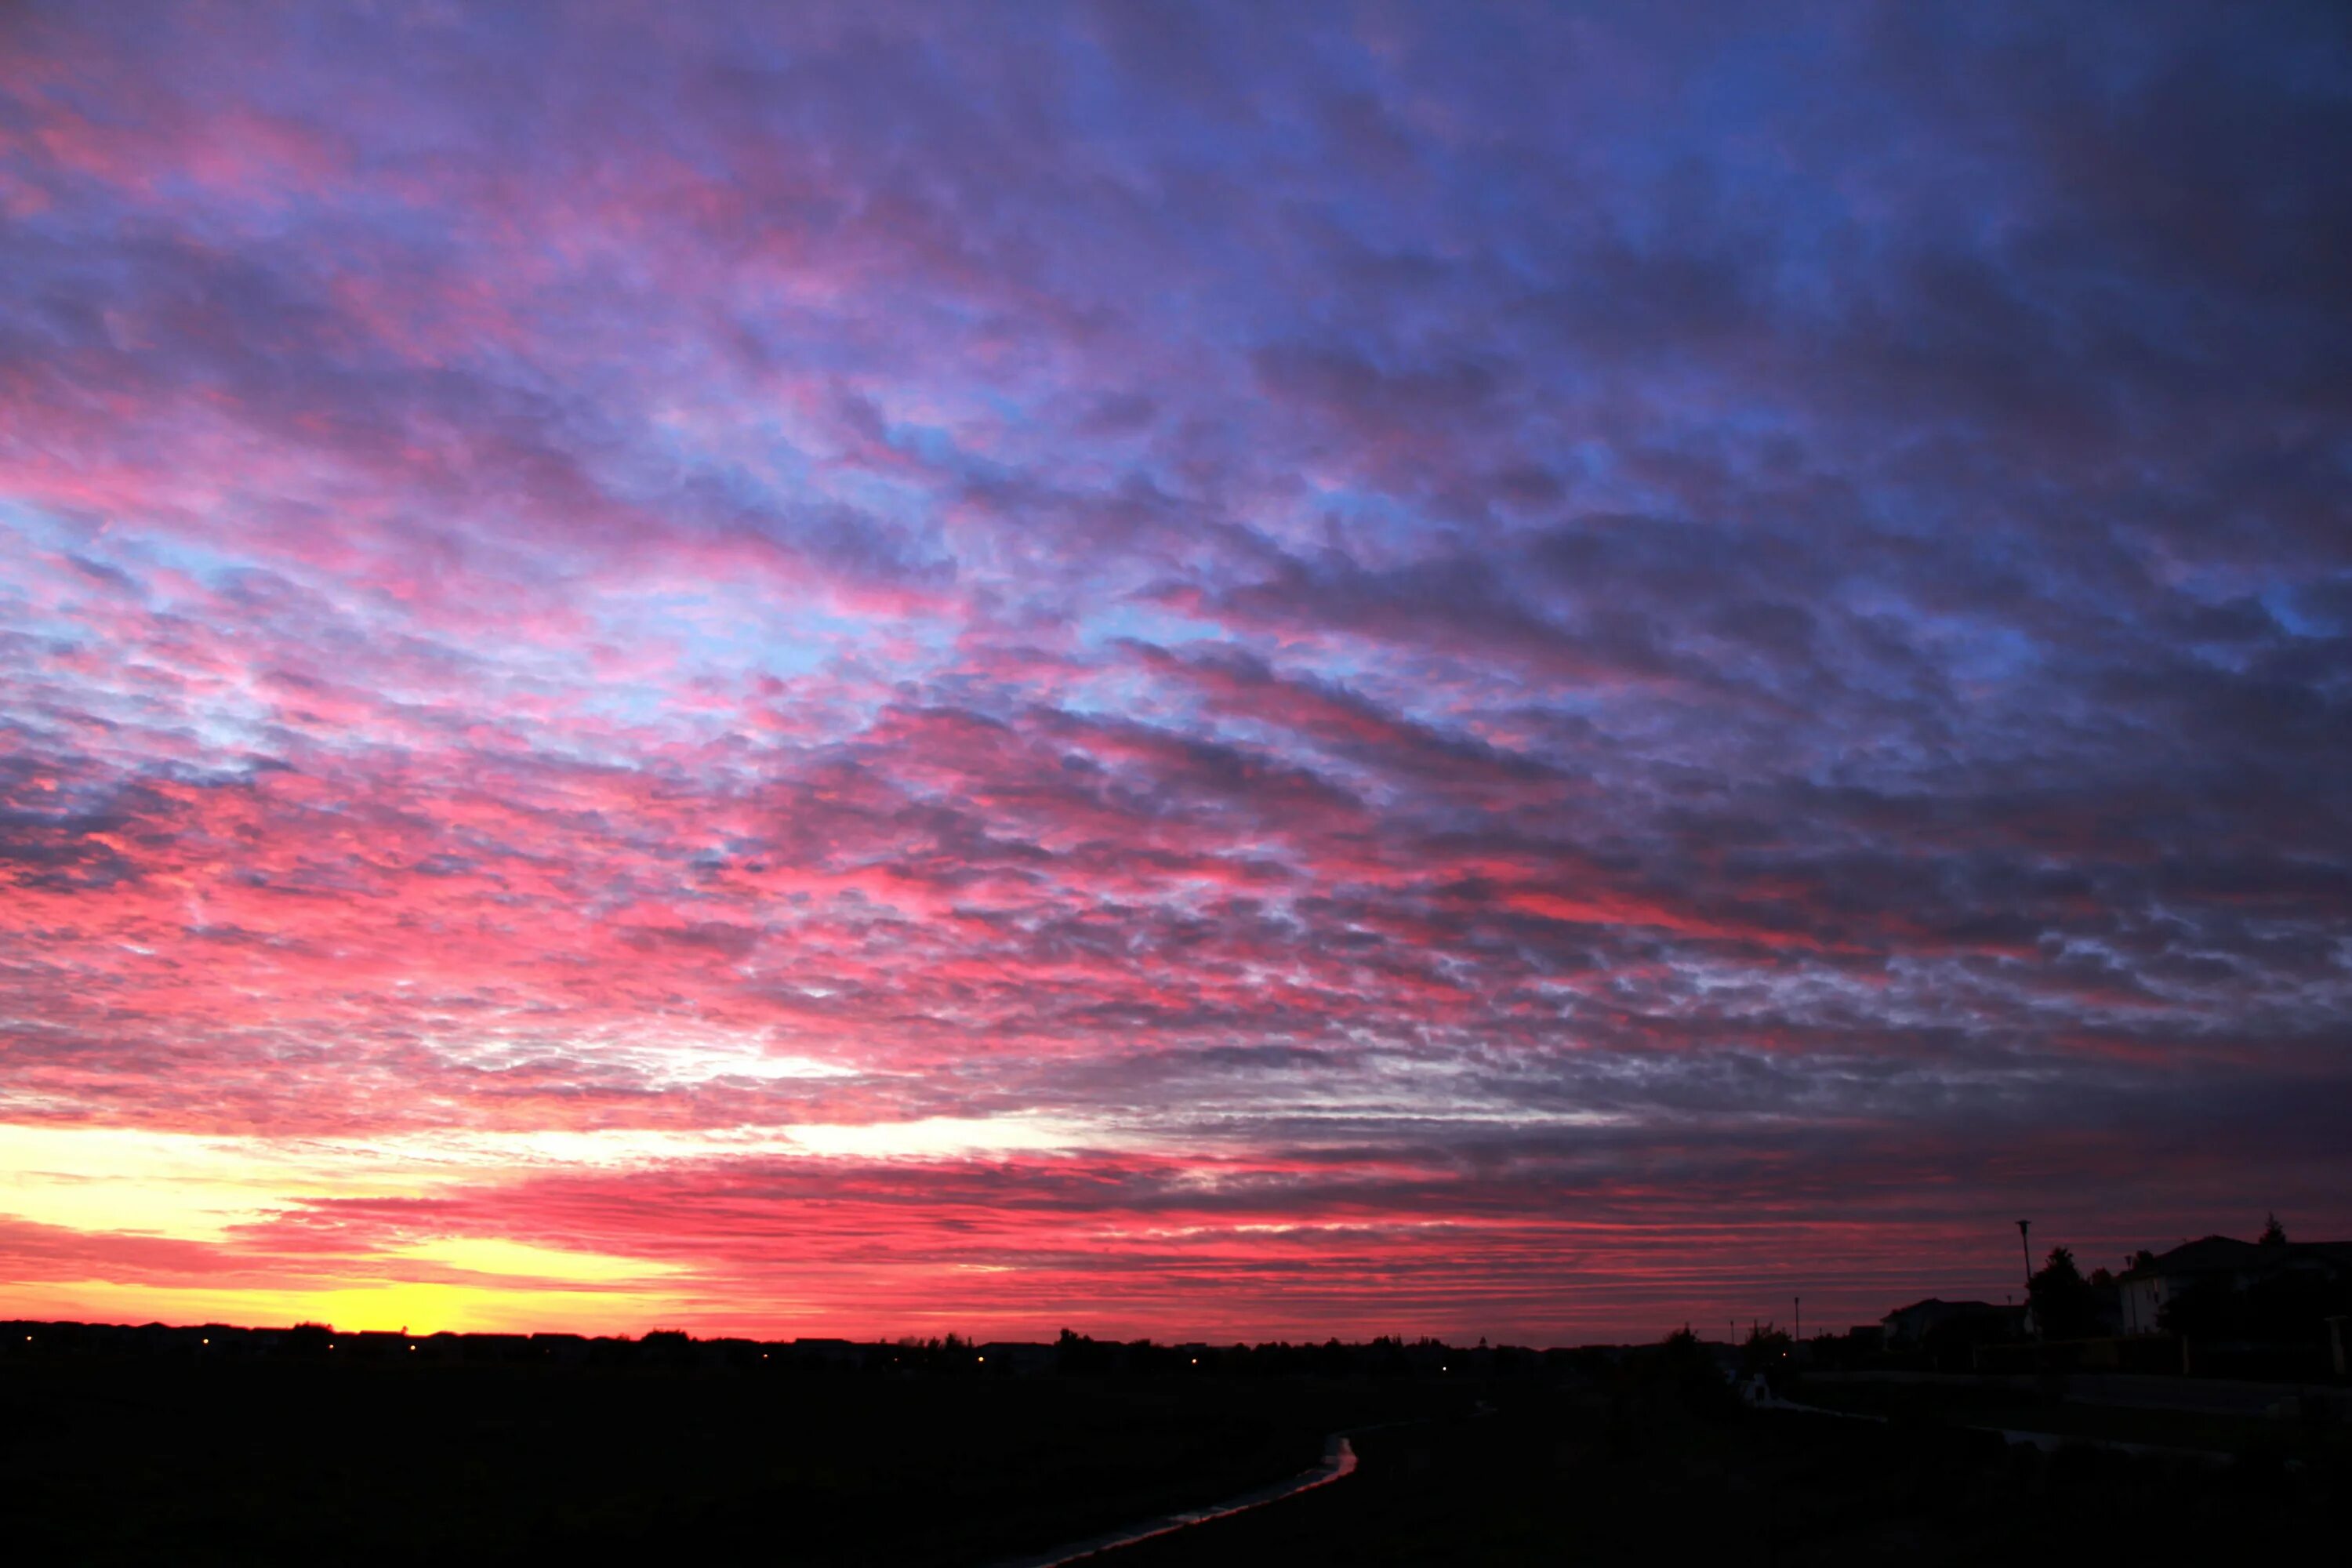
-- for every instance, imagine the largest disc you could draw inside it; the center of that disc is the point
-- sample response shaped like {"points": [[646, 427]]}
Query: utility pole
{"points": [[1798, 1302]]}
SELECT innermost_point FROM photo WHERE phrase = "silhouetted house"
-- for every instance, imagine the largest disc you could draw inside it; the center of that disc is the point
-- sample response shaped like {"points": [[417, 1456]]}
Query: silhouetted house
{"points": [[2221, 1265], [1907, 1327], [2215, 1259], [375, 1344], [1016, 1357]]}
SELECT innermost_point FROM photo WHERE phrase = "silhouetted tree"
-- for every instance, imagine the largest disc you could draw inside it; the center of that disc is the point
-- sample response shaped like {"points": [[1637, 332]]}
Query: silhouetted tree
{"points": [[1075, 1353], [2210, 1309], [2287, 1307], [1679, 1374], [2273, 1234], [2062, 1298], [1766, 1350]]}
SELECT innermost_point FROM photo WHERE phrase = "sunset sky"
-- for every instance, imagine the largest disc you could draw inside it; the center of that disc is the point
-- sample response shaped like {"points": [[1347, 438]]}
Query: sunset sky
{"points": [[1210, 671]]}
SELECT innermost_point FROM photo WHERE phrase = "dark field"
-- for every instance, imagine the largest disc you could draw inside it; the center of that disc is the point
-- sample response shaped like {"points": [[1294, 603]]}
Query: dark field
{"points": [[140, 1460], [150, 1460]]}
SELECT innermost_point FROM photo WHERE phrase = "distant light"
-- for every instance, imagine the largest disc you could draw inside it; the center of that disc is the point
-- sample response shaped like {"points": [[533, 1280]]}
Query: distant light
{"points": [[983, 1358], [205, 1341], [1196, 1360]]}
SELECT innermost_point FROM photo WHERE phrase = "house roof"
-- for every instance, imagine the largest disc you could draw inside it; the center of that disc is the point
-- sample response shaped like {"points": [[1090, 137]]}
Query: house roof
{"points": [[2207, 1255], [2221, 1254], [1936, 1303]]}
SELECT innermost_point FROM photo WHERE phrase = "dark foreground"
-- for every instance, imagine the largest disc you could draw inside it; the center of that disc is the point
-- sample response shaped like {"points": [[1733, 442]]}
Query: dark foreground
{"points": [[1552, 1481], [136, 1461], [1647, 1459]]}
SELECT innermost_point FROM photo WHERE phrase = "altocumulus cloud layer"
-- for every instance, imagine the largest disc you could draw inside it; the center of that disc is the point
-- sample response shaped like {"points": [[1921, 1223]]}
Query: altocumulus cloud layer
{"points": [[1173, 669]]}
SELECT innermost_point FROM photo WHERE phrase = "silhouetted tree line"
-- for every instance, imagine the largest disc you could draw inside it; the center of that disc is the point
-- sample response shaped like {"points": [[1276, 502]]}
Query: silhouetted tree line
{"points": [[1071, 1354]]}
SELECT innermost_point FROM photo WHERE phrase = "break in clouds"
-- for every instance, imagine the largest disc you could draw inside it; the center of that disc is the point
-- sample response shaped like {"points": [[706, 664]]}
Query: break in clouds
{"points": [[1170, 668]]}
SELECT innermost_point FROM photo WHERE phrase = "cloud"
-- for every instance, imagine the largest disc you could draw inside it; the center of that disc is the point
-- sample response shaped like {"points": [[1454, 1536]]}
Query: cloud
{"points": [[1520, 674]]}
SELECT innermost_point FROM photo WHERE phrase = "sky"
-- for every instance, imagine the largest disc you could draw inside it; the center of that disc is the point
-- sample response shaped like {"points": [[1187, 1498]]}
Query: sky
{"points": [[1207, 671]]}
